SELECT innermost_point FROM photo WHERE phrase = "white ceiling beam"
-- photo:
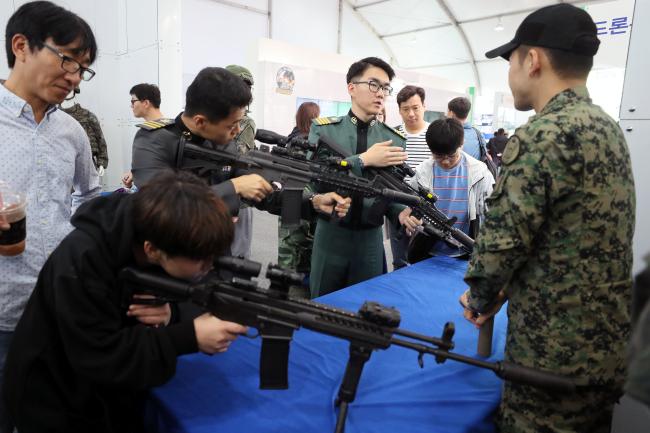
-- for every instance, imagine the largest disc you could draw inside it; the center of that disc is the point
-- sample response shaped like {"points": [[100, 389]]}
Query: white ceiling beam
{"points": [[443, 5]]}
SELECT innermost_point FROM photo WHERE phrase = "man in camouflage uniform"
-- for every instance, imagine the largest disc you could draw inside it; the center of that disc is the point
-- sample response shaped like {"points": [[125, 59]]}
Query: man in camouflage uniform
{"points": [[350, 250], [90, 124], [241, 244], [557, 239]]}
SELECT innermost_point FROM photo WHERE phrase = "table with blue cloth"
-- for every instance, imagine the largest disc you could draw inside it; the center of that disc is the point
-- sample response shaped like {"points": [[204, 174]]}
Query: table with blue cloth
{"points": [[220, 393]]}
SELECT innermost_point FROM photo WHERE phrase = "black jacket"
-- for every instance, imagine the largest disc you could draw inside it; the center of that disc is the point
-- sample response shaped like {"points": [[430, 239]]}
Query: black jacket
{"points": [[77, 363], [156, 150]]}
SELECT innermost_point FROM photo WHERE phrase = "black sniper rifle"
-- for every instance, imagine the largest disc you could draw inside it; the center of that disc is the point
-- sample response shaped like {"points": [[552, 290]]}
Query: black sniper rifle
{"points": [[290, 168], [435, 222], [276, 316]]}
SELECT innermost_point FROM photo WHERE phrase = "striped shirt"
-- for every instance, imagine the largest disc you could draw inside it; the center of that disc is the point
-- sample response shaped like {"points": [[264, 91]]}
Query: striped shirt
{"points": [[416, 145], [451, 187]]}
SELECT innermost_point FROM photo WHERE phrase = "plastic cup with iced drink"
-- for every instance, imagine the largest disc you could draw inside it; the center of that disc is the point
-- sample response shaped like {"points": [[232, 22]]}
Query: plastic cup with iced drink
{"points": [[12, 221]]}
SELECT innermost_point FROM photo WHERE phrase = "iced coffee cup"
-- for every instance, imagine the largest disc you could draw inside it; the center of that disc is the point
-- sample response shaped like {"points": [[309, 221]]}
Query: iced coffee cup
{"points": [[13, 228]]}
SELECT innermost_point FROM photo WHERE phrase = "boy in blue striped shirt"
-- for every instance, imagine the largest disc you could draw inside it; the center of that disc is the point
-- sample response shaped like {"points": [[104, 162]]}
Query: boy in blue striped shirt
{"points": [[461, 182]]}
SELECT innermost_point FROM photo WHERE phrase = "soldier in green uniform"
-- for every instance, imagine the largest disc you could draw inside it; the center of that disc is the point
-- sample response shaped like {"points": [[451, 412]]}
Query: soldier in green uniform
{"points": [[90, 124], [241, 244], [557, 238], [246, 137], [350, 250]]}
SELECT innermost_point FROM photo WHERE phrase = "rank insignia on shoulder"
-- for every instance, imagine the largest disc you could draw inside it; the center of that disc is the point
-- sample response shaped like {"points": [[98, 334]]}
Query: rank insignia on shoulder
{"points": [[150, 125], [394, 131], [326, 120]]}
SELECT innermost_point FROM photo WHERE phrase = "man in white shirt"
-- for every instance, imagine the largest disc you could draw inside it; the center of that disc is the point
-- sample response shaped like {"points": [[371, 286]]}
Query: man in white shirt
{"points": [[411, 107], [44, 152]]}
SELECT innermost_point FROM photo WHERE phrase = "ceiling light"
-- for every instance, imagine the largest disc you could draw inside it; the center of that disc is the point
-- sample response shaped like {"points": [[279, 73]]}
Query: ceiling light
{"points": [[499, 27]]}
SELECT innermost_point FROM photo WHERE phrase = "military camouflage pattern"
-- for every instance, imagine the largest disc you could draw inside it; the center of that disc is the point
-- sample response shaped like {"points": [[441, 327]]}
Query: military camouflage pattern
{"points": [[295, 245], [246, 138], [638, 380], [90, 124], [558, 238]]}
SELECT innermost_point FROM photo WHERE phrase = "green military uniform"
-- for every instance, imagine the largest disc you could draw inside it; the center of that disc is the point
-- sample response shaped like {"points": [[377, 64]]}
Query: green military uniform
{"points": [[90, 124], [243, 241], [350, 250], [558, 238], [295, 246], [246, 138]]}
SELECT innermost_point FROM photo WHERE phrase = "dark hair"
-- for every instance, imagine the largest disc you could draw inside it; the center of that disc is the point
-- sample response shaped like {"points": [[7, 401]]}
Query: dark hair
{"points": [[444, 136], [358, 68], [306, 112], [147, 92], [179, 214], [215, 93], [460, 106], [41, 20], [564, 63], [501, 131], [408, 92]]}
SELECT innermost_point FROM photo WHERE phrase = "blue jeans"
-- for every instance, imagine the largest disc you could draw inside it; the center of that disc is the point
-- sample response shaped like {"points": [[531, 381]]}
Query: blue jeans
{"points": [[5, 341]]}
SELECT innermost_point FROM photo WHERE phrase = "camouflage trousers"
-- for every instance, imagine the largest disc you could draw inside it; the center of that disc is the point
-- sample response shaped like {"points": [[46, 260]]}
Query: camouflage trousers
{"points": [[526, 409], [295, 245]]}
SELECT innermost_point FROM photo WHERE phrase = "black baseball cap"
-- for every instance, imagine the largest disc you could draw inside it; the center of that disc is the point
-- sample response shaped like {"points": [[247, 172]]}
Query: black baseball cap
{"points": [[562, 27]]}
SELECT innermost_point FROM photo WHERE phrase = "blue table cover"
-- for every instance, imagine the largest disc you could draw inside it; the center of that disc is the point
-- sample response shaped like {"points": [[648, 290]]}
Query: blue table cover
{"points": [[220, 393]]}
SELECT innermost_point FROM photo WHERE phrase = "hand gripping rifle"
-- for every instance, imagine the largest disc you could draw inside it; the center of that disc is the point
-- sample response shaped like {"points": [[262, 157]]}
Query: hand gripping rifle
{"points": [[435, 222], [289, 170], [276, 315]]}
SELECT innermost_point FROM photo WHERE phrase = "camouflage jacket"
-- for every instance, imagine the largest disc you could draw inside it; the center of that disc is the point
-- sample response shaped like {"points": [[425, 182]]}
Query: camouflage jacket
{"points": [[246, 138], [90, 124], [558, 238]]}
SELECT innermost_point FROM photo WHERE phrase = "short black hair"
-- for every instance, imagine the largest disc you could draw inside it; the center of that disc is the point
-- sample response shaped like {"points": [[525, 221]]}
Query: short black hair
{"points": [[460, 106], [358, 68], [215, 93], [501, 131], [179, 214], [408, 92], [41, 20], [444, 136], [147, 92], [564, 63]]}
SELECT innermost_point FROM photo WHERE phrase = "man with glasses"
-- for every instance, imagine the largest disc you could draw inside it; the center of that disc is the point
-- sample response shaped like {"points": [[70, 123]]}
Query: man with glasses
{"points": [[350, 250], [461, 182], [145, 103], [215, 104], [44, 153]]}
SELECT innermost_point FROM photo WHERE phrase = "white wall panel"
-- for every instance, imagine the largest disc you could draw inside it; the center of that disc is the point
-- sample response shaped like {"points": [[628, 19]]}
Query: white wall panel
{"points": [[214, 34], [307, 23]]}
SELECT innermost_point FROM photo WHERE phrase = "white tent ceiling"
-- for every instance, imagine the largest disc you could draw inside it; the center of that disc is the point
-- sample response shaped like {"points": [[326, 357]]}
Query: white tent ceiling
{"points": [[449, 37]]}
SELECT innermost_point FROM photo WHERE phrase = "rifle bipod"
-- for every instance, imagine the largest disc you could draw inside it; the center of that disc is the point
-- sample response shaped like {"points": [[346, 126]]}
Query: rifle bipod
{"points": [[348, 390]]}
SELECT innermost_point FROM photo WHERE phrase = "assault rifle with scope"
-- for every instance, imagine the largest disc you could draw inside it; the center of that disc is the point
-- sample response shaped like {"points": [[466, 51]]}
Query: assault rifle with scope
{"points": [[435, 222], [276, 315], [289, 170]]}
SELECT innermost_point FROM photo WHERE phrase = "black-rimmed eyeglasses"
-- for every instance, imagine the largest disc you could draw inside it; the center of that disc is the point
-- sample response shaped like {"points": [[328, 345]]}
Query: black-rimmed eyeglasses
{"points": [[72, 66], [133, 101], [374, 87]]}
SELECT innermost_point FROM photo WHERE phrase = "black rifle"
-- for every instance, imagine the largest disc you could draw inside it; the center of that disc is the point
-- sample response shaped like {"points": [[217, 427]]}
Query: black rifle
{"points": [[289, 170], [435, 222], [276, 315]]}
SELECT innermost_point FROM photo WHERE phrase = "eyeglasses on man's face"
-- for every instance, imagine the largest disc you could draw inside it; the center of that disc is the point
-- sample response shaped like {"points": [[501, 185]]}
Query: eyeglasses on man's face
{"points": [[72, 66], [133, 101], [374, 87], [445, 156]]}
